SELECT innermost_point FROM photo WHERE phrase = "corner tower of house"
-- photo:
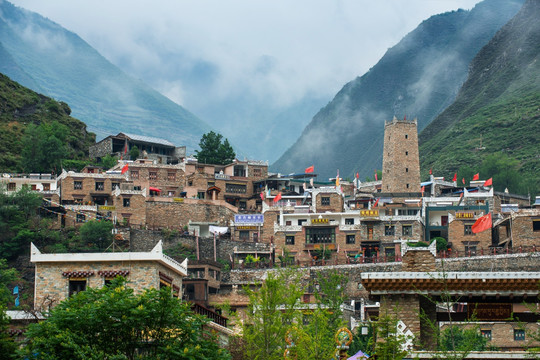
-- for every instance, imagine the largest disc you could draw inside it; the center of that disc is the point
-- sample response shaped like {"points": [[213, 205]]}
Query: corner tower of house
{"points": [[401, 164]]}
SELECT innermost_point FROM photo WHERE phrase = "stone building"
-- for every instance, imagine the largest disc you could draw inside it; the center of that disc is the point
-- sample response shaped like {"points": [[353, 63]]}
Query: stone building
{"points": [[401, 164], [492, 301], [58, 276], [160, 150], [157, 179]]}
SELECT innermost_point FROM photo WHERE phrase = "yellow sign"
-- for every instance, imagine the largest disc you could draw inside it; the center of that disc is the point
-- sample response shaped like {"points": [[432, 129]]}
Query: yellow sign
{"points": [[464, 215], [319, 221], [246, 228], [178, 199], [369, 212], [107, 208]]}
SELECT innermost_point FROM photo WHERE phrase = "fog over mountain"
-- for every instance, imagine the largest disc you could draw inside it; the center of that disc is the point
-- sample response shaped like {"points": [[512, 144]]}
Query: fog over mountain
{"points": [[255, 71], [419, 77]]}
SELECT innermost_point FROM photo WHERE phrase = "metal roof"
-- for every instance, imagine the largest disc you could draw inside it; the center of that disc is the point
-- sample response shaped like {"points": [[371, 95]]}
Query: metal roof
{"points": [[148, 139]]}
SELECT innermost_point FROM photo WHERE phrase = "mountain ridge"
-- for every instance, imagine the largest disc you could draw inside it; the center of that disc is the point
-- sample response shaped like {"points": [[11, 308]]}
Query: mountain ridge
{"points": [[65, 67], [418, 77]]}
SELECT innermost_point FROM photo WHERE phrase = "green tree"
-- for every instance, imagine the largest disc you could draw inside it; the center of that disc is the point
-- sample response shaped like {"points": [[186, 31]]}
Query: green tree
{"points": [[44, 147], [7, 344], [18, 219], [387, 343], [108, 161], [114, 323], [272, 310], [213, 151], [96, 235], [134, 153]]}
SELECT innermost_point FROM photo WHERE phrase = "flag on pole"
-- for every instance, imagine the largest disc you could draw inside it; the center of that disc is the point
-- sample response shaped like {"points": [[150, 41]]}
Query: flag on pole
{"points": [[262, 195], [476, 176], [376, 202], [488, 182], [483, 223], [337, 179], [455, 177], [376, 175], [423, 189], [125, 148], [125, 169], [463, 181], [277, 198], [310, 169], [430, 172]]}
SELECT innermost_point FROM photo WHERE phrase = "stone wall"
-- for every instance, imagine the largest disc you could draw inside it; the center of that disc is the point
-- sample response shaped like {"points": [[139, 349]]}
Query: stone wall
{"points": [[418, 260], [401, 164], [523, 234], [100, 149], [456, 235]]}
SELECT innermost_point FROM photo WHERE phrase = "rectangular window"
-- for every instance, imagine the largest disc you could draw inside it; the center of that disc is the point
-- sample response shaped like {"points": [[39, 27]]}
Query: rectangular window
{"points": [[152, 175], [12, 186], [325, 200], [470, 249], [519, 334], [134, 174], [242, 205], [412, 212], [320, 235], [46, 187], [351, 239], [76, 286], [255, 236], [289, 240], [200, 195], [239, 170], [486, 334], [536, 224], [137, 188], [370, 232], [301, 221], [115, 185], [243, 235], [406, 230], [467, 229], [171, 176], [126, 202], [100, 186], [77, 185], [288, 222], [389, 230], [257, 172], [235, 188], [80, 218], [349, 221]]}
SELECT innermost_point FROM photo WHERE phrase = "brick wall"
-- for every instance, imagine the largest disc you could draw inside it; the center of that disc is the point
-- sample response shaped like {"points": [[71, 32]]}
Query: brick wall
{"points": [[336, 202], [523, 234], [170, 179], [134, 213], [418, 260]]}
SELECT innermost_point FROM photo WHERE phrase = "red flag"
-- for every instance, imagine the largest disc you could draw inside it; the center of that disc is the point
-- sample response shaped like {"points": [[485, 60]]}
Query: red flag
{"points": [[277, 198], [463, 181], [310, 169], [430, 172], [337, 179], [376, 175], [125, 168], [483, 223], [488, 182], [357, 176], [125, 149], [476, 176], [423, 188], [376, 202], [455, 177], [262, 195]]}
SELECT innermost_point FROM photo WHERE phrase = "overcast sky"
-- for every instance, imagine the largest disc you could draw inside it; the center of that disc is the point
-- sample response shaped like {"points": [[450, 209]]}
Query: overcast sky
{"points": [[279, 50]]}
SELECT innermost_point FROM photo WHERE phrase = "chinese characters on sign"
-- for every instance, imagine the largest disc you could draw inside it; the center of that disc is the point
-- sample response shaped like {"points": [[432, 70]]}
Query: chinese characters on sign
{"points": [[249, 219], [369, 212]]}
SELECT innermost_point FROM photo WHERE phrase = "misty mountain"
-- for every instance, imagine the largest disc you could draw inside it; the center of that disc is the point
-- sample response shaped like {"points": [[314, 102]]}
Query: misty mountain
{"points": [[419, 78], [497, 111], [45, 57]]}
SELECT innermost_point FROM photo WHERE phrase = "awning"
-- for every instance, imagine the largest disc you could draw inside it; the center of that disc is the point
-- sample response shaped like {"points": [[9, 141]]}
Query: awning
{"points": [[154, 189]]}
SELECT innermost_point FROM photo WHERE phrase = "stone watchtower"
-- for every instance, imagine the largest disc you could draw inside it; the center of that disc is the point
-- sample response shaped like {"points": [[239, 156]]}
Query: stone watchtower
{"points": [[401, 164]]}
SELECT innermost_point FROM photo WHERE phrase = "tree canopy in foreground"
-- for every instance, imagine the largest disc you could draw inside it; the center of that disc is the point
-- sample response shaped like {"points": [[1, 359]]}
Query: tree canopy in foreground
{"points": [[114, 323]]}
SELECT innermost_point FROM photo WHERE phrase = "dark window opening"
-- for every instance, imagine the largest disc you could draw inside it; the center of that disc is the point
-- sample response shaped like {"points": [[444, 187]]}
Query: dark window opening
{"points": [[289, 240], [389, 230], [325, 200], [76, 286], [321, 235], [349, 221], [351, 239]]}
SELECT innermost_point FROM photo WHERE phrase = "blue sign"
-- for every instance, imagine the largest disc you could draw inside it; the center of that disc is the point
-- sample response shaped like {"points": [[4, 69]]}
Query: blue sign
{"points": [[249, 219]]}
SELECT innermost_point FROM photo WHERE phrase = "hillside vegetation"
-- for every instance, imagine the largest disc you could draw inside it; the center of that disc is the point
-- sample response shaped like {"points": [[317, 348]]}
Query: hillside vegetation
{"points": [[497, 111], [19, 108], [47, 58], [419, 77]]}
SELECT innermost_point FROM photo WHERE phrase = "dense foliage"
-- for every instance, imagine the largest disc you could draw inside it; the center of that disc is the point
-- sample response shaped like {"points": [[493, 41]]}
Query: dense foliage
{"points": [[115, 323], [36, 131], [276, 313], [214, 151]]}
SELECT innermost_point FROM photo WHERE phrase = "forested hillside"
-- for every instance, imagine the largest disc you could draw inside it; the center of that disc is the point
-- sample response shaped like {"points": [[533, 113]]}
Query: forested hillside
{"points": [[37, 126], [497, 111]]}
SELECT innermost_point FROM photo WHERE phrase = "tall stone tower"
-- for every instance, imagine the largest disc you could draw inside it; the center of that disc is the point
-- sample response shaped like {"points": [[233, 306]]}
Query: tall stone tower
{"points": [[401, 163]]}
